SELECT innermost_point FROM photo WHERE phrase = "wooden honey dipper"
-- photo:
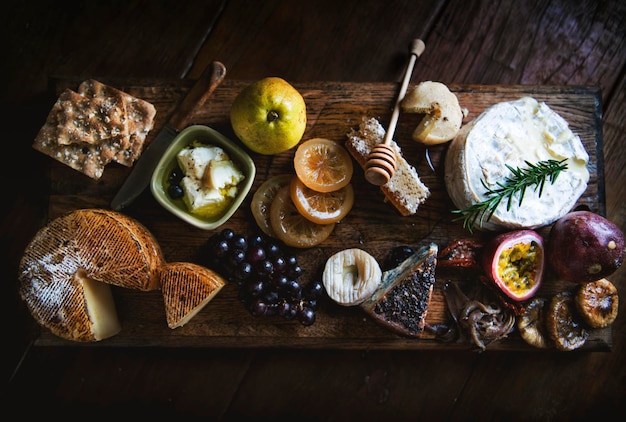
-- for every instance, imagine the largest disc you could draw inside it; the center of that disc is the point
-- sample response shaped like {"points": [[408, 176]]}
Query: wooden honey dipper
{"points": [[381, 162]]}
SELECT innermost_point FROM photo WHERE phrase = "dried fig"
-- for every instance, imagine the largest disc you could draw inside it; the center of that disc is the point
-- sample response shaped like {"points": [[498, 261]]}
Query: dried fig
{"points": [[532, 325], [562, 323], [597, 303]]}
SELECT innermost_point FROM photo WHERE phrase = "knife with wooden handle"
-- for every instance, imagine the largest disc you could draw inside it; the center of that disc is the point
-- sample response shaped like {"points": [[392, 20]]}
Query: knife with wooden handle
{"points": [[139, 177]]}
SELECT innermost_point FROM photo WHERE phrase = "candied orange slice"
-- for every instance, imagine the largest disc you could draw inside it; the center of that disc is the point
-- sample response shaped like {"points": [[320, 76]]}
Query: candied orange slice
{"points": [[292, 227], [262, 199], [321, 207], [323, 165]]}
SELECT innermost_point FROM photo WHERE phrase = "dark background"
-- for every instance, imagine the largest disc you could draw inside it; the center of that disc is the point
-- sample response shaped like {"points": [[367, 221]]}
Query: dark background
{"points": [[467, 42]]}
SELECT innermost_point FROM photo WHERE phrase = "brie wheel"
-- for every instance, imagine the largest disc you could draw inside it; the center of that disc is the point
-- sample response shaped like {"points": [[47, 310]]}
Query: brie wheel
{"points": [[511, 133]]}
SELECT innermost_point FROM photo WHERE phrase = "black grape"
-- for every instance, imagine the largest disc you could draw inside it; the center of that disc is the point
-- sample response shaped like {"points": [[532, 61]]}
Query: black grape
{"points": [[266, 275]]}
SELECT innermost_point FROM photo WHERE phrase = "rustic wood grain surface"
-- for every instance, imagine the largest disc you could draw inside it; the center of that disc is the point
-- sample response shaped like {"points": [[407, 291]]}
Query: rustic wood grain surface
{"points": [[333, 110], [536, 43]]}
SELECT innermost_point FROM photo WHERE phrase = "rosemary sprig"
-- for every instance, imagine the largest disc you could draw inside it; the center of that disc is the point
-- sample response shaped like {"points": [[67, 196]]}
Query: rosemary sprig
{"points": [[534, 175]]}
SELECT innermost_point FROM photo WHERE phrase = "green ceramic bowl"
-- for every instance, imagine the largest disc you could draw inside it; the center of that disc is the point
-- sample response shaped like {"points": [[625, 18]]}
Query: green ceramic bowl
{"points": [[205, 135]]}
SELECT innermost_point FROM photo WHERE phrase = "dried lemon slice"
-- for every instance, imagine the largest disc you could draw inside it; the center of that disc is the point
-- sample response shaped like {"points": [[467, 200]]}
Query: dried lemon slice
{"points": [[291, 227], [321, 207], [262, 200], [323, 165]]}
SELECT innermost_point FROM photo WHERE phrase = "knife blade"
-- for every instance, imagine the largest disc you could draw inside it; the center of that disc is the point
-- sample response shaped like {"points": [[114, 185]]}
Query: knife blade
{"points": [[140, 175]]}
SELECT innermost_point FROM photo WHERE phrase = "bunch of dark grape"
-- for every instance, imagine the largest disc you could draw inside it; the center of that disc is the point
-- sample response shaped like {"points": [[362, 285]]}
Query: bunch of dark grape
{"points": [[266, 275]]}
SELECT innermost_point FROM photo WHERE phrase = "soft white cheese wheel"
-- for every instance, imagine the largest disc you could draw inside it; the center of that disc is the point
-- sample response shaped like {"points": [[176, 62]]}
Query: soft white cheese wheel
{"points": [[512, 133]]}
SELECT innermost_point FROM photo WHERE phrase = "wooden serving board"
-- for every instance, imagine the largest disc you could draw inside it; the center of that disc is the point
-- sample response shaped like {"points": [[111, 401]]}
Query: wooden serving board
{"points": [[333, 108]]}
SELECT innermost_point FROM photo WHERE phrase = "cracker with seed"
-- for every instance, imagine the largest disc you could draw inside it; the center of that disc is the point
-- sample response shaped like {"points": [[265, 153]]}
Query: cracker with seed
{"points": [[139, 117], [94, 121], [76, 144], [99, 124]]}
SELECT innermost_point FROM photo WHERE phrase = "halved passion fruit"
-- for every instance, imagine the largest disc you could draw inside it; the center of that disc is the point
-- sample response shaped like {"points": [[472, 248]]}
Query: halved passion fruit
{"points": [[514, 261]]}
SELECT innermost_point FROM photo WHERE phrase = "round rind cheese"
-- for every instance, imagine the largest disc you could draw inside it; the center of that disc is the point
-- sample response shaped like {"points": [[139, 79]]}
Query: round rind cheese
{"points": [[513, 133], [67, 268], [351, 276]]}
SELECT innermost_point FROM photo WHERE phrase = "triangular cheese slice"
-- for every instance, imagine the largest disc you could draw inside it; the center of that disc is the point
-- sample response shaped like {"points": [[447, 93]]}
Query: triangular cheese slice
{"points": [[186, 289]]}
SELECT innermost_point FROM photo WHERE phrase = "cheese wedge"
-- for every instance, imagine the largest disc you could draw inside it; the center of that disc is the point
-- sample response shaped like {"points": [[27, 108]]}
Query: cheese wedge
{"points": [[511, 133], [187, 288], [100, 306]]}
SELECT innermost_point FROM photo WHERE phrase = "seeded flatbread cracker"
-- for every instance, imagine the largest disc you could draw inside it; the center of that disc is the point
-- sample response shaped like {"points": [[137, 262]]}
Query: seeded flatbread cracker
{"points": [[100, 124], [87, 158], [139, 117]]}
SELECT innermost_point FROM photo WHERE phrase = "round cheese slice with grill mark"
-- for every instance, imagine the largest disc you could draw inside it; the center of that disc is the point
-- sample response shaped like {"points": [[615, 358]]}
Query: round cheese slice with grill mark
{"points": [[67, 270], [513, 133]]}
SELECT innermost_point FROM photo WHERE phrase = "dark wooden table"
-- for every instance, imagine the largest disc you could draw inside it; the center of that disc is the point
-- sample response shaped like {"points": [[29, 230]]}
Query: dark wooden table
{"points": [[547, 43]]}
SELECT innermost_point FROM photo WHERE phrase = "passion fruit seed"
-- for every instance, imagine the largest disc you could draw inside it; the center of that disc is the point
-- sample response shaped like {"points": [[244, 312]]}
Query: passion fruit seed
{"points": [[516, 266], [514, 261]]}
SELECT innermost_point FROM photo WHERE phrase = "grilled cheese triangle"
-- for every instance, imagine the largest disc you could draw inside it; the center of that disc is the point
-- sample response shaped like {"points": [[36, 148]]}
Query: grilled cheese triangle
{"points": [[186, 289]]}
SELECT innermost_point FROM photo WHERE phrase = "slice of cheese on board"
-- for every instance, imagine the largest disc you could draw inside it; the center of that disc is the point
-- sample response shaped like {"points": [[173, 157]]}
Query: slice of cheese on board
{"points": [[186, 289]]}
